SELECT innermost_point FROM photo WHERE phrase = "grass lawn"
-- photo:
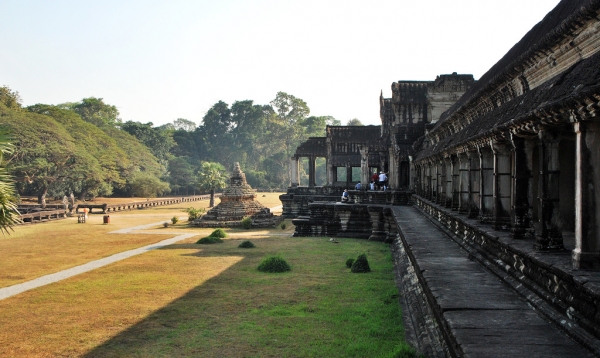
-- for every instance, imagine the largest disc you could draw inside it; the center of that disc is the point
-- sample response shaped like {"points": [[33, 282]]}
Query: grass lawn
{"points": [[209, 301], [35, 250], [197, 300]]}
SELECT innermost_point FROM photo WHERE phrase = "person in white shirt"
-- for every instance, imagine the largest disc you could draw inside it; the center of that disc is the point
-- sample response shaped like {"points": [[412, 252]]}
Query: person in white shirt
{"points": [[383, 180]]}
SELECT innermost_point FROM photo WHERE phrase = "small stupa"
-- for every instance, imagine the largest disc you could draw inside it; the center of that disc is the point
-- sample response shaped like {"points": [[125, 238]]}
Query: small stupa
{"points": [[237, 202]]}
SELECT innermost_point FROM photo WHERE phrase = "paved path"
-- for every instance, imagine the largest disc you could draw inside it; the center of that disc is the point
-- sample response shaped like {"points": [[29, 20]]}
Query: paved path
{"points": [[486, 317], [9, 291]]}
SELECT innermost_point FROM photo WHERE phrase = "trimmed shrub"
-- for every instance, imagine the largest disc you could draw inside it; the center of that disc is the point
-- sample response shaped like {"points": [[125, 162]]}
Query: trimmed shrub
{"points": [[274, 264], [283, 226], [361, 265], [174, 220], [193, 213], [247, 222], [404, 351], [349, 263], [218, 233], [166, 224], [209, 240], [246, 245]]}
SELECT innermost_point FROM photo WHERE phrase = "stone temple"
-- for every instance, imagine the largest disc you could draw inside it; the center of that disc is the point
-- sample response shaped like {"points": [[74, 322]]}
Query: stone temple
{"points": [[237, 202], [506, 167]]}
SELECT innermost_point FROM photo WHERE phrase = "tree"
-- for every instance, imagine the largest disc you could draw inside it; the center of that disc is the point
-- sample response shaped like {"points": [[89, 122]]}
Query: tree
{"points": [[212, 176], [215, 132], [159, 141], [9, 215], [146, 185], [95, 111], [354, 122], [9, 98], [181, 174], [107, 162], [184, 124]]}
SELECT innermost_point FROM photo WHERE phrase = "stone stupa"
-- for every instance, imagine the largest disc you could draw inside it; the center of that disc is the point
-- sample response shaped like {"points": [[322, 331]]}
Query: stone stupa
{"points": [[237, 202]]}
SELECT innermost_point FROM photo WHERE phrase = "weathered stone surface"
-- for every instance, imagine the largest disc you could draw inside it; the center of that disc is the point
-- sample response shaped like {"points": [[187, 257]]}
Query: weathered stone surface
{"points": [[237, 202]]}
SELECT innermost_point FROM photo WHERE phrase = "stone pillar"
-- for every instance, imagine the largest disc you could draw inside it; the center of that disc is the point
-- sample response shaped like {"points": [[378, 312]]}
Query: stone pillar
{"points": [[439, 199], [587, 196], [349, 176], [464, 168], [311, 171], [442, 182], [448, 180], [502, 185], [294, 172], [486, 187], [434, 178], [364, 166], [550, 227], [455, 182], [393, 172], [522, 213], [474, 181]]}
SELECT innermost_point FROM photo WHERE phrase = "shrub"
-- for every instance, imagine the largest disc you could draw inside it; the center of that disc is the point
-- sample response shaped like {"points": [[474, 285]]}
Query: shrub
{"points": [[246, 245], [174, 220], [209, 240], [274, 264], [361, 264], [405, 351], [247, 222], [166, 224], [283, 226], [193, 213], [218, 233], [349, 263]]}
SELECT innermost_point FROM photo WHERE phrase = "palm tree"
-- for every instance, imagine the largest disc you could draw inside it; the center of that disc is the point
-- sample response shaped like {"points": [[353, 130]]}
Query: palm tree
{"points": [[9, 215], [210, 177]]}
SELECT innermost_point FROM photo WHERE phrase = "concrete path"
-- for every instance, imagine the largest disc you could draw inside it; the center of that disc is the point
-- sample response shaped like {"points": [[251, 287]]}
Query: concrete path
{"points": [[485, 317], [9, 291]]}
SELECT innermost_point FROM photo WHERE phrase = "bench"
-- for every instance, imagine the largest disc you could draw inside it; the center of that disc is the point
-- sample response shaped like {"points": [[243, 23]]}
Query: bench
{"points": [[92, 207]]}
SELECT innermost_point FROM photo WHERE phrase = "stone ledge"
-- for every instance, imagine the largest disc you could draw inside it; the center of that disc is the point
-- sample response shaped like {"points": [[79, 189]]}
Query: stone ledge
{"points": [[569, 298]]}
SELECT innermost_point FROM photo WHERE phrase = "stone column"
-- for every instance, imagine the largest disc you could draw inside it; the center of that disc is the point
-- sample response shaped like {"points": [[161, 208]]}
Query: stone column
{"points": [[502, 185], [393, 172], [522, 213], [364, 166], [455, 182], [587, 196], [486, 187], [442, 182], [311, 171], [294, 172], [439, 199], [434, 178], [550, 235], [464, 168], [474, 180], [448, 180], [349, 176]]}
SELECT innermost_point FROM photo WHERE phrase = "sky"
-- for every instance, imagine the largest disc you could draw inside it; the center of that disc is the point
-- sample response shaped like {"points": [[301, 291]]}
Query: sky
{"points": [[157, 61]]}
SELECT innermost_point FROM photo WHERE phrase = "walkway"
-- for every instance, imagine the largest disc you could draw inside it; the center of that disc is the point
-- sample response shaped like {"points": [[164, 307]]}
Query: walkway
{"points": [[485, 317], [10, 291]]}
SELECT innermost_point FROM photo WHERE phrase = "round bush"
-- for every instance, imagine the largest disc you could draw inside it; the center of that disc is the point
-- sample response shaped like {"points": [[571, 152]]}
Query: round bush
{"points": [[209, 240], [247, 222], [361, 264], [219, 233], [274, 264], [246, 245], [283, 226], [349, 263]]}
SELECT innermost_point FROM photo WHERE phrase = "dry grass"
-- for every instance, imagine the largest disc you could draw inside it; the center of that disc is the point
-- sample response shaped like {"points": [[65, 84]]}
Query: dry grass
{"points": [[36, 250]]}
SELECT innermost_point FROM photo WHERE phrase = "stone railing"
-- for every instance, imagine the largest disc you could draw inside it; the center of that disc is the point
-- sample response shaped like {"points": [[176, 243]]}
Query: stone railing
{"points": [[43, 216], [143, 204]]}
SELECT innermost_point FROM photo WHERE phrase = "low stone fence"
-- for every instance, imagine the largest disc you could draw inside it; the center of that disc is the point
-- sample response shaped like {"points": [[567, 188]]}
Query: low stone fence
{"points": [[105, 208], [43, 216]]}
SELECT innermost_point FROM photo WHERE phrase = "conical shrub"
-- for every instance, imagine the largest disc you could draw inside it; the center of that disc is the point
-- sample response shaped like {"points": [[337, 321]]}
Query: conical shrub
{"points": [[247, 245], [361, 264]]}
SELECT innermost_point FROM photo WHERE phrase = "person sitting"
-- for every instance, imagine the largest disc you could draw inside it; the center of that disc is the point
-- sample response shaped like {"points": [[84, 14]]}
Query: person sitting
{"points": [[358, 186], [345, 196], [372, 185]]}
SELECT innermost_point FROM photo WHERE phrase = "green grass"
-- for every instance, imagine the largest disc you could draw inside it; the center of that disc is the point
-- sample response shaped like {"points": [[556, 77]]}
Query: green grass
{"points": [[319, 309]]}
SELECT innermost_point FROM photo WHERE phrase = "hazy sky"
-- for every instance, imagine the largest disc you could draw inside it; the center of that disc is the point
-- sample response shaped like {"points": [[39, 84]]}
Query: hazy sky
{"points": [[162, 60]]}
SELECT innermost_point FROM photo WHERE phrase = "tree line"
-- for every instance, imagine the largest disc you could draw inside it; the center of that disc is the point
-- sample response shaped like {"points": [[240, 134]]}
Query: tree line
{"points": [[86, 149]]}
